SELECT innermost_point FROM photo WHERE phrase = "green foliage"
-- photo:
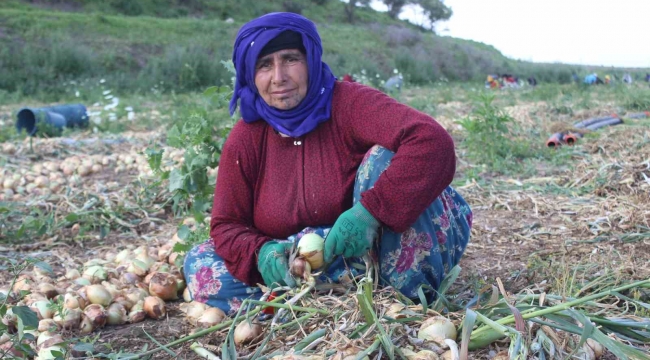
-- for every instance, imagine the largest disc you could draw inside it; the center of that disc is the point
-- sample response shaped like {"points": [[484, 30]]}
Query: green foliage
{"points": [[489, 140], [637, 100], [201, 135], [17, 319]]}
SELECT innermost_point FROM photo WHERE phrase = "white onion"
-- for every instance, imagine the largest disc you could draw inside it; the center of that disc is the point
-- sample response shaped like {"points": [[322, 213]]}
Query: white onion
{"points": [[48, 290], [116, 314], [154, 307], [97, 294], [86, 325], [163, 285], [72, 274], [95, 274], [211, 317], [310, 248], [245, 332], [69, 320], [42, 309], [137, 313], [96, 314], [437, 328], [47, 325], [193, 310]]}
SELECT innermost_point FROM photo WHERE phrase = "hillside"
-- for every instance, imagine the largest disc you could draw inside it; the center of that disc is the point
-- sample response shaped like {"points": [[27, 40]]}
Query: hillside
{"points": [[43, 44]]}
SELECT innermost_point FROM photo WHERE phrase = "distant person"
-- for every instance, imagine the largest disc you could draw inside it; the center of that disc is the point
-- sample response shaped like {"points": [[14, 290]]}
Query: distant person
{"points": [[592, 79], [608, 79], [336, 158], [532, 81], [348, 78], [627, 78], [492, 82], [575, 78], [647, 78], [394, 83]]}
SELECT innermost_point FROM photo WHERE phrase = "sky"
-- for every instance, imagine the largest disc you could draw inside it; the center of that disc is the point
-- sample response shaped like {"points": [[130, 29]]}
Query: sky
{"points": [[589, 32]]}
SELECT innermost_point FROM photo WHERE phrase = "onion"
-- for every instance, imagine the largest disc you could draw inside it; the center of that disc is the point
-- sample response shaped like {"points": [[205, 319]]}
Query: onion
{"points": [[122, 299], [82, 281], [145, 258], [420, 355], [72, 274], [596, 347], [48, 338], [130, 278], [164, 252], [34, 297], [23, 283], [437, 329], [136, 294], [300, 268], [96, 314], [585, 352], [175, 259], [42, 309], [193, 310], [116, 314], [137, 313], [110, 256], [74, 301], [122, 256], [47, 325], [95, 274], [310, 248], [186, 295], [46, 352], [154, 307], [94, 262], [97, 294], [211, 317], [138, 267], [163, 285], [69, 320], [48, 290], [111, 288], [245, 332], [86, 325], [10, 321]]}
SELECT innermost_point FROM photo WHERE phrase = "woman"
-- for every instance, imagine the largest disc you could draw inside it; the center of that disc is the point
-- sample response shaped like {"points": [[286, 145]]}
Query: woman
{"points": [[313, 154]]}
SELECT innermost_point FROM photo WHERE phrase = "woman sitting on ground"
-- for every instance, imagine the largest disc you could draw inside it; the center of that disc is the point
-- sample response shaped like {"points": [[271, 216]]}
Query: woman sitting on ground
{"points": [[313, 154]]}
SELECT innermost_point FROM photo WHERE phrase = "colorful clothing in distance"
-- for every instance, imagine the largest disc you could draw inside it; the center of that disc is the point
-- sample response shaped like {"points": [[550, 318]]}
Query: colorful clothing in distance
{"points": [[421, 255]]}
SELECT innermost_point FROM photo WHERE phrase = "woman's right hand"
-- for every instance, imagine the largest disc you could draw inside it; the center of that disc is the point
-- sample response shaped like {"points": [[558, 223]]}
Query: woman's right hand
{"points": [[273, 264]]}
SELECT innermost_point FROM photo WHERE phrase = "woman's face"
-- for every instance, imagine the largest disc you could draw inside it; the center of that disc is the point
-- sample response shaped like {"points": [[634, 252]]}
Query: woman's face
{"points": [[281, 78]]}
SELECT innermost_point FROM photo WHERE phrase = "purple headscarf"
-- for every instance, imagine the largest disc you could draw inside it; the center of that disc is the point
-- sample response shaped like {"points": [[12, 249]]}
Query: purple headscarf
{"points": [[314, 108]]}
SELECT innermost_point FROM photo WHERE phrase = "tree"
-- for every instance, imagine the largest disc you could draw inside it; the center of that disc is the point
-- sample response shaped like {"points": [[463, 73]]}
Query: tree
{"points": [[351, 6], [435, 10], [395, 6]]}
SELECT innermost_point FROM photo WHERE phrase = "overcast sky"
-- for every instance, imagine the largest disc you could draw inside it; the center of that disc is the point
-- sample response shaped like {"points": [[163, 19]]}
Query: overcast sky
{"points": [[593, 32]]}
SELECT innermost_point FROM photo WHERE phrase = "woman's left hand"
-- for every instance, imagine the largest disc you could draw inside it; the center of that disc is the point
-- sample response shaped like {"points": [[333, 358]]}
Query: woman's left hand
{"points": [[352, 235]]}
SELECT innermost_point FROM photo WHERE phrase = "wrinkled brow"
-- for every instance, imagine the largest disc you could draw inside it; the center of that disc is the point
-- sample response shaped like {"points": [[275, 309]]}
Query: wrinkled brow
{"points": [[284, 56]]}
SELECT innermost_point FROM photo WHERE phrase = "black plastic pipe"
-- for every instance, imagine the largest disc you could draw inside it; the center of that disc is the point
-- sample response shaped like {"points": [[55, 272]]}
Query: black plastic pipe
{"points": [[60, 116]]}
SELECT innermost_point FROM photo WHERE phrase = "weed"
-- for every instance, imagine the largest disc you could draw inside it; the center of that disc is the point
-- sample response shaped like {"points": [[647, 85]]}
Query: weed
{"points": [[489, 141]]}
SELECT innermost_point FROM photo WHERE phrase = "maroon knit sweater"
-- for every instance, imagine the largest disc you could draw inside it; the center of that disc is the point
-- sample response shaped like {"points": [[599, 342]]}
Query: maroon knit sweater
{"points": [[270, 187]]}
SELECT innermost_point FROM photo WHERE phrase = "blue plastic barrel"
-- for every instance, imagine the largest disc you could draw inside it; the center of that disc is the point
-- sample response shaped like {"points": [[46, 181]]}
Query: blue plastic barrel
{"points": [[60, 116]]}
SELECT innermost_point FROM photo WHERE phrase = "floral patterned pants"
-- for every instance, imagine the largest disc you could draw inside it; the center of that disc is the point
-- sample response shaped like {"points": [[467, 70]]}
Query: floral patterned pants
{"points": [[417, 258]]}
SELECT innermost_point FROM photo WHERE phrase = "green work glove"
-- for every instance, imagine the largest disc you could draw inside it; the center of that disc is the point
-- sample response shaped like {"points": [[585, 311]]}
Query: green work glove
{"points": [[273, 264], [352, 235]]}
